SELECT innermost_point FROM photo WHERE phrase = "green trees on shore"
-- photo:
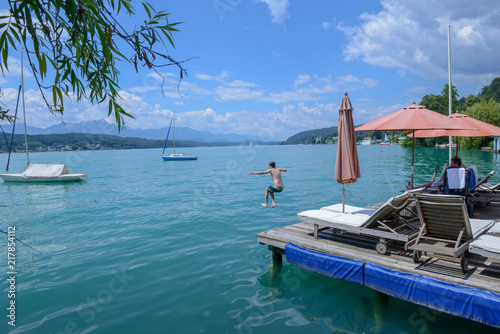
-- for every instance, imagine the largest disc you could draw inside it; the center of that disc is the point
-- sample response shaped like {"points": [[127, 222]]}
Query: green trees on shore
{"points": [[439, 103], [486, 110]]}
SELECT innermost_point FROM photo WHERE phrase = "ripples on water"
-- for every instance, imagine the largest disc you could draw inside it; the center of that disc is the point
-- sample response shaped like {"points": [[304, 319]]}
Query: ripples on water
{"points": [[170, 247]]}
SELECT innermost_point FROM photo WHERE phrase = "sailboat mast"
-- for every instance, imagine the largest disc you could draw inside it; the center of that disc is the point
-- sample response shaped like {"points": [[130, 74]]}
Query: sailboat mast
{"points": [[174, 131], [24, 111]]}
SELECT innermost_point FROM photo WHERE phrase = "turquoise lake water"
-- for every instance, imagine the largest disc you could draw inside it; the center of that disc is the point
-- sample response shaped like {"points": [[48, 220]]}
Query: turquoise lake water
{"points": [[147, 246]]}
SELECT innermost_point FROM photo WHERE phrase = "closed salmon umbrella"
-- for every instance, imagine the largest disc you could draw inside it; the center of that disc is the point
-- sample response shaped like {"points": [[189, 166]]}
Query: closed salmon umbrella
{"points": [[347, 163], [412, 118]]}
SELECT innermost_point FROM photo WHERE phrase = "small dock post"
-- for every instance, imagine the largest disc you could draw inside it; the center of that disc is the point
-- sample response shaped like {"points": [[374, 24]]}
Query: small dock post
{"points": [[380, 311], [276, 266], [277, 255]]}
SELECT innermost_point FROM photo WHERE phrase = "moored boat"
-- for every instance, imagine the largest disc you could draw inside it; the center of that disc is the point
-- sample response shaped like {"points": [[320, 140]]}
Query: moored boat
{"points": [[38, 172], [175, 156], [44, 173]]}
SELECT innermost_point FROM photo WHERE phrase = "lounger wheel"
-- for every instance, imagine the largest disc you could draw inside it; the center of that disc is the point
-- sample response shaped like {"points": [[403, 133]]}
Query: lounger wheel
{"points": [[483, 204], [416, 256], [464, 263], [381, 248]]}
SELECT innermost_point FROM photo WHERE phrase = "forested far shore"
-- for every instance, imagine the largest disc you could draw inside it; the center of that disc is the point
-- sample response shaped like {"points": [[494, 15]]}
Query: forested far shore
{"points": [[85, 141]]}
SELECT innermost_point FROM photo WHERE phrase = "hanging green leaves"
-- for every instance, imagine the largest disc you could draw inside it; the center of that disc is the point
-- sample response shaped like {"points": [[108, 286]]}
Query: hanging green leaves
{"points": [[73, 46]]}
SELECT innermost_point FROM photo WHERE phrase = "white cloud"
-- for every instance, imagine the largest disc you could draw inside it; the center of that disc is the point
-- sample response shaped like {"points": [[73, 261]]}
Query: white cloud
{"points": [[149, 111], [318, 88], [15, 69], [471, 37], [38, 114], [306, 87], [326, 25], [236, 93], [274, 124], [302, 79], [278, 9], [412, 36], [221, 77], [239, 83], [356, 83]]}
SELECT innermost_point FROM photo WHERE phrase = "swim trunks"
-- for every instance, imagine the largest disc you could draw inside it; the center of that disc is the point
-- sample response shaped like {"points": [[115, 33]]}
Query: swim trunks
{"points": [[275, 189]]}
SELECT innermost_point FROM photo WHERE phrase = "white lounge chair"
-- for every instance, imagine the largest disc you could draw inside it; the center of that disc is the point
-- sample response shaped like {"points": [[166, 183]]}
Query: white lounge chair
{"points": [[446, 228], [487, 246], [488, 187], [349, 209], [384, 223]]}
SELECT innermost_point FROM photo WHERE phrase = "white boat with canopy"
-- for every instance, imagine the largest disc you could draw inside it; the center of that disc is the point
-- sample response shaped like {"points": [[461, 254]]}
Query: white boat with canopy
{"points": [[44, 173], [37, 172]]}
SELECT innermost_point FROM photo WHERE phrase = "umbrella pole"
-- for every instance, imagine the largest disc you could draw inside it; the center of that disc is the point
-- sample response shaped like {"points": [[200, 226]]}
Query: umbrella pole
{"points": [[412, 157], [456, 143], [343, 197]]}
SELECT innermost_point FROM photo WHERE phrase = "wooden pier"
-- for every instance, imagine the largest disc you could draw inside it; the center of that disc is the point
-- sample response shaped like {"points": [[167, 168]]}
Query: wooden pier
{"points": [[483, 273]]}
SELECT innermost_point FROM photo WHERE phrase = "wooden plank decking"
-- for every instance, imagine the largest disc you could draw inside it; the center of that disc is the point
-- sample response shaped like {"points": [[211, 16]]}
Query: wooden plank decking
{"points": [[483, 273]]}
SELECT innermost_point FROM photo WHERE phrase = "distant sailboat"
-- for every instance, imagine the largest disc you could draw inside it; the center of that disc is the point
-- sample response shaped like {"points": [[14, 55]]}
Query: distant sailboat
{"points": [[386, 141], [251, 144], [175, 156]]}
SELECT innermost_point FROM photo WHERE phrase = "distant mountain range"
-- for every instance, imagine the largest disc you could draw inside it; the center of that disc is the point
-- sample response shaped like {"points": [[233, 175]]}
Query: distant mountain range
{"points": [[103, 127]]}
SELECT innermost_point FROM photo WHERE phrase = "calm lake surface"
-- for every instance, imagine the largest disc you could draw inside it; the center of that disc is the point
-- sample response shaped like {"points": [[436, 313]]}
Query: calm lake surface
{"points": [[147, 246]]}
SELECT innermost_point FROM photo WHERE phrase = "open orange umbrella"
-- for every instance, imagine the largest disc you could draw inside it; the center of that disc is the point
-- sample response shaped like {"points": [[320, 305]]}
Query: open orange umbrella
{"points": [[347, 162], [414, 117], [483, 129]]}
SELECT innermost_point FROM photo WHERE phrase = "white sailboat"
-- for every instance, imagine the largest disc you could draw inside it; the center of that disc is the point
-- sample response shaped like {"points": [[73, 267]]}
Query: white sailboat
{"points": [[386, 141], [175, 156], [39, 172]]}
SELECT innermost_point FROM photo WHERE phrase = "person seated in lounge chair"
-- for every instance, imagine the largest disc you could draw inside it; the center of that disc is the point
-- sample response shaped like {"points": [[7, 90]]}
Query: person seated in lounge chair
{"points": [[456, 163], [458, 182]]}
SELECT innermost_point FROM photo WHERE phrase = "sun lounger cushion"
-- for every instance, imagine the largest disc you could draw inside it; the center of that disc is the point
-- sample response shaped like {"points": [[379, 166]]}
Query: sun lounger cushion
{"points": [[336, 217], [495, 229], [480, 226], [319, 214], [487, 243], [349, 209]]}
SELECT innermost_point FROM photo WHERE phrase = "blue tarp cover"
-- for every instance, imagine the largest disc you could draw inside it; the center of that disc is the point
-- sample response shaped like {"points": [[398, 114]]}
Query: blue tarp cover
{"points": [[338, 267], [468, 302]]}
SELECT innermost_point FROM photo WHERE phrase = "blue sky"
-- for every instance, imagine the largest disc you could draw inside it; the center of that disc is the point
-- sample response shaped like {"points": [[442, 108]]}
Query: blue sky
{"points": [[277, 67]]}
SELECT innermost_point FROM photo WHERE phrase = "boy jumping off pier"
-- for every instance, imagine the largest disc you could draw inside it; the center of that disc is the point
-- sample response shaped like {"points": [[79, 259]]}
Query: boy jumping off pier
{"points": [[277, 185]]}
